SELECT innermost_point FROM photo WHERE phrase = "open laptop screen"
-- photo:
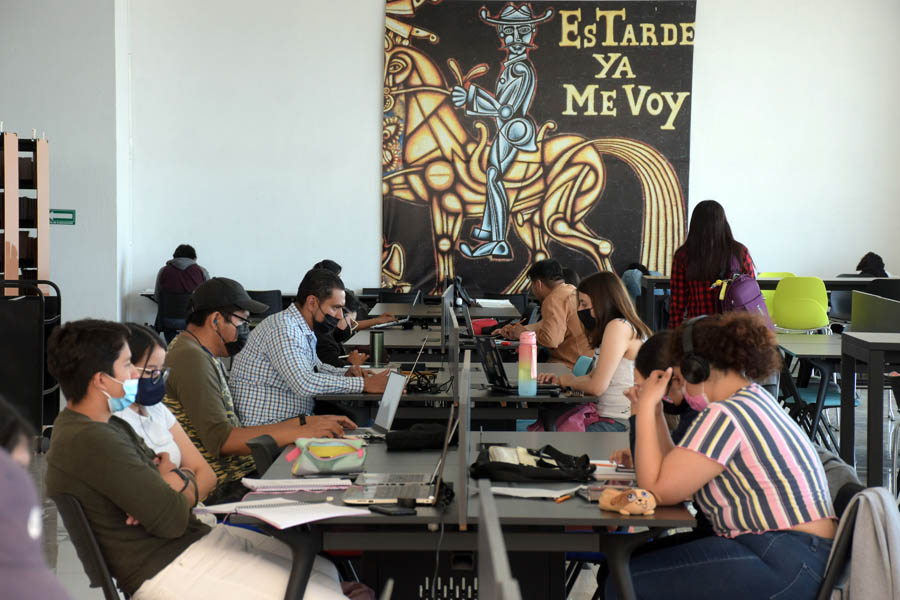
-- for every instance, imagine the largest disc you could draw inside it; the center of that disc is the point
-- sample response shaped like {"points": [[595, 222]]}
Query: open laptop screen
{"points": [[389, 401]]}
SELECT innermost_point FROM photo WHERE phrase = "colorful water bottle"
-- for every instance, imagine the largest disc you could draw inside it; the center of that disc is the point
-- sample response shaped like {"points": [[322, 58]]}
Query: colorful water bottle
{"points": [[527, 364]]}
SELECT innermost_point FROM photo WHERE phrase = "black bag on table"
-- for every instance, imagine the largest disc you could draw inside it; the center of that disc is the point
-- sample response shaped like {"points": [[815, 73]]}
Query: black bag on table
{"points": [[549, 464]]}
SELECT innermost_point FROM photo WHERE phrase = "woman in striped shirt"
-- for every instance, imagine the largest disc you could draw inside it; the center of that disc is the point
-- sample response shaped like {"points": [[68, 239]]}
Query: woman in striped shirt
{"points": [[747, 465]]}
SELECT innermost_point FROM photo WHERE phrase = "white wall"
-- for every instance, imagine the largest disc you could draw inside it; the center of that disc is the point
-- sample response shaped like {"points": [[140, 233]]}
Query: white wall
{"points": [[57, 68], [252, 132], [256, 138], [795, 129]]}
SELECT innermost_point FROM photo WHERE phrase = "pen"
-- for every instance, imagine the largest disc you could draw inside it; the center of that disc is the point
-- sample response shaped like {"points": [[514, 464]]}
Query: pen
{"points": [[563, 498]]}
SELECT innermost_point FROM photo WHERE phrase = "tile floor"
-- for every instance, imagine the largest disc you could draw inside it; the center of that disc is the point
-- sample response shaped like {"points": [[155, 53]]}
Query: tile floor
{"points": [[61, 556]]}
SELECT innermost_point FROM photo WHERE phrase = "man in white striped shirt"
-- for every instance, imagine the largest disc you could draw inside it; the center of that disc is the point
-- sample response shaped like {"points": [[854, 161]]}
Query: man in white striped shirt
{"points": [[277, 374]]}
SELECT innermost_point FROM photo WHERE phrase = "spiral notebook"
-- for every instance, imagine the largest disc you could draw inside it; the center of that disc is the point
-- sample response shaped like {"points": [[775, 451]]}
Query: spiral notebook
{"points": [[295, 484], [283, 513]]}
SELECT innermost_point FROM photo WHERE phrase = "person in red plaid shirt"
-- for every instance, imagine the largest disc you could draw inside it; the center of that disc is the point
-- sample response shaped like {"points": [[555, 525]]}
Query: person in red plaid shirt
{"points": [[705, 257]]}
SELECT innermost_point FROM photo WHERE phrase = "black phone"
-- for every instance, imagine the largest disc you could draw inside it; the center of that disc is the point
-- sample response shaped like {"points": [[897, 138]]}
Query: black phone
{"points": [[392, 510]]}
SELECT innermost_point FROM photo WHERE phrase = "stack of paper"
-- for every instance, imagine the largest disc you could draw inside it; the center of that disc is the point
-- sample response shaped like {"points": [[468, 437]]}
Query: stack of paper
{"points": [[283, 513], [296, 485], [492, 303], [606, 471]]}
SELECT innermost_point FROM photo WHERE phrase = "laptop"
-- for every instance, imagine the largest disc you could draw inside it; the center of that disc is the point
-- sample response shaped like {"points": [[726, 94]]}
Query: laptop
{"points": [[470, 328], [387, 408], [389, 488], [402, 321], [492, 363]]}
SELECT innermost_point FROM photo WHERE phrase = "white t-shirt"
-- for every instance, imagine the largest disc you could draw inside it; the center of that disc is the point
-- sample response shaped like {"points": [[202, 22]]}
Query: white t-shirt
{"points": [[153, 425]]}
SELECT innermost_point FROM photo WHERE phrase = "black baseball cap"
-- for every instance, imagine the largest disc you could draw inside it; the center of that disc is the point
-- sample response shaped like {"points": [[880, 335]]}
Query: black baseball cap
{"points": [[219, 292]]}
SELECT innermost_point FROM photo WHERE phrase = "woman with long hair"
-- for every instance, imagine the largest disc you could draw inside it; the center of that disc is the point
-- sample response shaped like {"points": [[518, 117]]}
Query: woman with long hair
{"points": [[747, 465], [614, 329], [710, 252]]}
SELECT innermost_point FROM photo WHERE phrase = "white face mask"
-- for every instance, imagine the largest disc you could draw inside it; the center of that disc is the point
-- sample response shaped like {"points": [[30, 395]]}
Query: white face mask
{"points": [[698, 402]]}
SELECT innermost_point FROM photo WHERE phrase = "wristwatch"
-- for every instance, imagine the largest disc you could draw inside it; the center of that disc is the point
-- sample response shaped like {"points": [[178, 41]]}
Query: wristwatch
{"points": [[302, 420]]}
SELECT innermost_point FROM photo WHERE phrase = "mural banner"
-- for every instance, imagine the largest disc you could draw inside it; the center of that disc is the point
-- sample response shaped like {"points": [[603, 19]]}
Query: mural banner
{"points": [[515, 132]]}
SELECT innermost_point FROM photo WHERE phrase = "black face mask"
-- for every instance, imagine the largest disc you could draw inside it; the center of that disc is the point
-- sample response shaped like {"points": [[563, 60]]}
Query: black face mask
{"points": [[150, 393], [243, 332], [589, 322], [328, 324]]}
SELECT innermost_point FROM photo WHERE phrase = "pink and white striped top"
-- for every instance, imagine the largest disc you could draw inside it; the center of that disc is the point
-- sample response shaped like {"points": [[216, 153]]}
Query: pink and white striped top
{"points": [[773, 478]]}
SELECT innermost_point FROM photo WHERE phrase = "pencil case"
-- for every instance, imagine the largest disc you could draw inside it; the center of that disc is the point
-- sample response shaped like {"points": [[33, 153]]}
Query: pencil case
{"points": [[314, 456]]}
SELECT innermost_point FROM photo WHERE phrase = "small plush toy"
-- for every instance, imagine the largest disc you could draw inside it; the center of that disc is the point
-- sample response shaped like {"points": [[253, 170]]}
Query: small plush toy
{"points": [[629, 501]]}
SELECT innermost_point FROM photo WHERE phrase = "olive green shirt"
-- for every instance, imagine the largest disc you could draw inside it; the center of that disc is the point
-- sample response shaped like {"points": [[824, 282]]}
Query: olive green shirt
{"points": [[197, 394], [111, 472]]}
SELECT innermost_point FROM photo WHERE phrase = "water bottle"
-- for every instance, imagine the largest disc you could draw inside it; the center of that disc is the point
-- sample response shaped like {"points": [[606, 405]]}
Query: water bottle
{"points": [[527, 364]]}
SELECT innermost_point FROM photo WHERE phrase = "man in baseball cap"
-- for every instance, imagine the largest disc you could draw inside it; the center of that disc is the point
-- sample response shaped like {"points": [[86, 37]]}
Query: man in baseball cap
{"points": [[197, 389]]}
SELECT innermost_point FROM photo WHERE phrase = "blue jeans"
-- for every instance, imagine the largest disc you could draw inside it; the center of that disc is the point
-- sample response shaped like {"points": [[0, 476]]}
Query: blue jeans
{"points": [[607, 424], [785, 565]]}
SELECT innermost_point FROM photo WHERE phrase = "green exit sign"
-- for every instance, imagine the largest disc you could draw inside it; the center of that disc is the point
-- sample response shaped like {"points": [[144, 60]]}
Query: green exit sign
{"points": [[62, 216]]}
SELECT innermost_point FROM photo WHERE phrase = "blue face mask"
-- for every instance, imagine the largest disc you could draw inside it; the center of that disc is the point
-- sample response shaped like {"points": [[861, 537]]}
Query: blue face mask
{"points": [[149, 393], [129, 389]]}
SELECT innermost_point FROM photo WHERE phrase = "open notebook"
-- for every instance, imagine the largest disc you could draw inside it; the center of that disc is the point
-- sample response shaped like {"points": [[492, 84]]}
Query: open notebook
{"points": [[283, 513]]}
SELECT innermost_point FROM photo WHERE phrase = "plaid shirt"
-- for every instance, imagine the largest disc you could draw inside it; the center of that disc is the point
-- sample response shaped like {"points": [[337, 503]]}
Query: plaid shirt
{"points": [[691, 298], [276, 375]]}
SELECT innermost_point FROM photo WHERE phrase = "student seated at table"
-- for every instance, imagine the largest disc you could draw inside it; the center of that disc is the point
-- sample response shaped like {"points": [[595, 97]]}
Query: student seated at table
{"points": [[137, 502], [747, 465], [615, 330], [197, 390], [278, 374], [149, 416], [559, 330], [180, 275], [707, 254], [871, 265]]}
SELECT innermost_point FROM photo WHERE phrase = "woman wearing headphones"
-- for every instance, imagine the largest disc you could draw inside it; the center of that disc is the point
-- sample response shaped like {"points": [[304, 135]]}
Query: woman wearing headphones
{"points": [[747, 465]]}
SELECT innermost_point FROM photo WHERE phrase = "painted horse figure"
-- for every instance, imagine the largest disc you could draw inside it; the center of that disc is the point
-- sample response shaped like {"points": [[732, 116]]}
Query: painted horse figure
{"points": [[430, 158]]}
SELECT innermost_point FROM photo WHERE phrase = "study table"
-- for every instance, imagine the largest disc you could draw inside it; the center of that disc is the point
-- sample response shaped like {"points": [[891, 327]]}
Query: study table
{"points": [[529, 525], [400, 339], [433, 311], [876, 350], [651, 283]]}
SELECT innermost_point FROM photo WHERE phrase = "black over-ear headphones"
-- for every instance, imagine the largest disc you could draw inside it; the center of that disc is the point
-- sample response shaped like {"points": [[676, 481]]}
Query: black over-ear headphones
{"points": [[694, 368]]}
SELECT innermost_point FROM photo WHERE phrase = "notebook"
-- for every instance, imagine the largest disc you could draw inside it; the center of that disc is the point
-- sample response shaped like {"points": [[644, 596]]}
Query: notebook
{"points": [[295, 485], [400, 321], [282, 513]]}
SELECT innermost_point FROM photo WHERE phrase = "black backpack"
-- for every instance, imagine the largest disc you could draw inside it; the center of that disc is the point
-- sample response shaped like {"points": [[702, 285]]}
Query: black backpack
{"points": [[550, 465]]}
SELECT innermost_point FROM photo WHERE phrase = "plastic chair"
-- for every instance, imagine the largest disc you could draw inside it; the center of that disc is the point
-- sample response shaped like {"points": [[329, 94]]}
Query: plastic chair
{"points": [[271, 298], [172, 314], [795, 304], [769, 295], [86, 545]]}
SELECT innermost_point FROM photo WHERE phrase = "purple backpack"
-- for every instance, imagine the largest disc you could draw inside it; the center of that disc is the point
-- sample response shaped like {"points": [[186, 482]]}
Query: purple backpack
{"points": [[741, 292]]}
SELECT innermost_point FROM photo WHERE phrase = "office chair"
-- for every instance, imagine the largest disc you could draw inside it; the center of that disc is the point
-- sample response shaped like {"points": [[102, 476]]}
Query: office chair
{"points": [[271, 298], [264, 451], [172, 314], [86, 545]]}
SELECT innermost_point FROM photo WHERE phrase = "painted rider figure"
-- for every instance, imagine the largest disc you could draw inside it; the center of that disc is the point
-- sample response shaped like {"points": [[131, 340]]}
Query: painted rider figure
{"points": [[509, 107]]}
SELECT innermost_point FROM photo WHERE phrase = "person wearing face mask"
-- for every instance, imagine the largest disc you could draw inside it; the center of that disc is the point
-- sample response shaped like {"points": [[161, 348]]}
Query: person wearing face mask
{"points": [[615, 330], [137, 502], [149, 416], [747, 465], [278, 374], [198, 394], [559, 330]]}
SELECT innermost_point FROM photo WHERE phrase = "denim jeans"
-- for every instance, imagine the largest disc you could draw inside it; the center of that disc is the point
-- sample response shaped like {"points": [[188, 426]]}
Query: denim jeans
{"points": [[607, 424], [779, 565]]}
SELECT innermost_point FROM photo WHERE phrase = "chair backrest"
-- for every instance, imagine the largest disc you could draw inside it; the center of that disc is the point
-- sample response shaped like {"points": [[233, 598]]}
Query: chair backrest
{"points": [[271, 298], [886, 288], [800, 313], [812, 288], [85, 544], [174, 308], [264, 450], [774, 275], [840, 549]]}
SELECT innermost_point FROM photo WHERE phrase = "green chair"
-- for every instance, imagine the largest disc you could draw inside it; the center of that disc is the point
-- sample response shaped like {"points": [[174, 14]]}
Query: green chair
{"points": [[801, 304], [769, 295]]}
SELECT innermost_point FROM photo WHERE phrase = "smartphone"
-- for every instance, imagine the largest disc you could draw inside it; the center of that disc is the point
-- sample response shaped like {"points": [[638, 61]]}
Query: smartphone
{"points": [[392, 510]]}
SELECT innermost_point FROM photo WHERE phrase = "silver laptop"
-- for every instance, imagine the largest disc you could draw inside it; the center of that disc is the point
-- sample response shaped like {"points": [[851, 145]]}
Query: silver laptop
{"points": [[387, 408], [391, 487], [402, 321]]}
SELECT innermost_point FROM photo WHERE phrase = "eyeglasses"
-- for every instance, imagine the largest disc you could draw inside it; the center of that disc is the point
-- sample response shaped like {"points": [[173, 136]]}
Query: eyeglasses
{"points": [[240, 318], [155, 375]]}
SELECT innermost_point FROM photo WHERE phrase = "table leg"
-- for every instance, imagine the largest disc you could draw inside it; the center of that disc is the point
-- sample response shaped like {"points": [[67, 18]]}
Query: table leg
{"points": [[875, 441], [848, 416], [304, 545], [618, 558]]}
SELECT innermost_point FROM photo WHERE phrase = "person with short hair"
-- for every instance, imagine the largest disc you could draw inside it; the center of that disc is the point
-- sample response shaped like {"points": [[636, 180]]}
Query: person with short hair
{"points": [[278, 374], [571, 276], [197, 389], [329, 265], [138, 503], [559, 329], [180, 275], [747, 465], [871, 265]]}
